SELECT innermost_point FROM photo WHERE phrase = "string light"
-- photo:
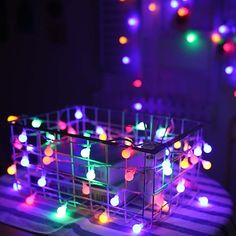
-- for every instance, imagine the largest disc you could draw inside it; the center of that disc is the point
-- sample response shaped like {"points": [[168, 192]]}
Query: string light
{"points": [[138, 106], [48, 160], [123, 40], [174, 3], [85, 152], [17, 186], [137, 83], [78, 114], [184, 164], [203, 201], [115, 201], [137, 228], [85, 188], [36, 123], [91, 175], [61, 211], [103, 218], [25, 161], [125, 60], [42, 181], [183, 12], [11, 170], [30, 199], [152, 7], [62, 125], [71, 130], [48, 151], [177, 145], [180, 187], [206, 164], [229, 70], [12, 119], [207, 148], [197, 151], [22, 137]]}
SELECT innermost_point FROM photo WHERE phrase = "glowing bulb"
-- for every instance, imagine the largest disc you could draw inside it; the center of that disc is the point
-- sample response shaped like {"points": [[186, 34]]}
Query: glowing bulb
{"points": [[123, 40], [137, 228], [99, 130], [180, 187], [183, 11], [42, 181], [17, 144], [25, 161], [29, 148], [216, 38], [161, 132], [184, 164], [186, 146], [165, 207], [167, 152], [12, 119], [129, 175], [48, 151], [50, 136], [191, 37], [137, 83], [194, 159], [203, 201], [167, 171], [177, 145], [86, 134], [207, 148], [71, 130], [174, 3], [91, 175], [129, 128], [61, 211], [78, 114], [197, 151], [140, 126], [229, 70], [11, 170], [235, 93], [17, 186], [166, 164], [62, 125], [115, 201], [30, 199], [36, 123], [132, 21], [138, 106], [85, 152], [103, 218], [85, 189], [126, 153], [22, 137], [223, 29], [125, 60], [152, 7], [206, 164], [103, 136], [47, 160], [229, 47]]}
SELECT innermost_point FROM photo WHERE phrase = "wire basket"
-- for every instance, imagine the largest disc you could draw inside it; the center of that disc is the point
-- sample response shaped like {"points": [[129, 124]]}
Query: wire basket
{"points": [[133, 168]]}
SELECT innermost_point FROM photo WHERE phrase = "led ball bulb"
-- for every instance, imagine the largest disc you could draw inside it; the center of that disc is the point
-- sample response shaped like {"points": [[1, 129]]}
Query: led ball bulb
{"points": [[115, 201], [42, 181], [91, 175], [22, 137], [61, 211]]}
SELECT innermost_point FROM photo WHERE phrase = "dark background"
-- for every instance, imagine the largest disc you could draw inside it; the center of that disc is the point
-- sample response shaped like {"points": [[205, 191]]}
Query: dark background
{"points": [[49, 57]]}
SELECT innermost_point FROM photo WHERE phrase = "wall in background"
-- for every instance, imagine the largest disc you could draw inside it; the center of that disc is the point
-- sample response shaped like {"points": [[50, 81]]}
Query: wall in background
{"points": [[49, 57]]}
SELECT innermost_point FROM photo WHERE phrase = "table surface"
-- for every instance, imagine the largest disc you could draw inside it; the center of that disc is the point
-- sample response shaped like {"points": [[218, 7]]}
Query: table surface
{"points": [[215, 219]]}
